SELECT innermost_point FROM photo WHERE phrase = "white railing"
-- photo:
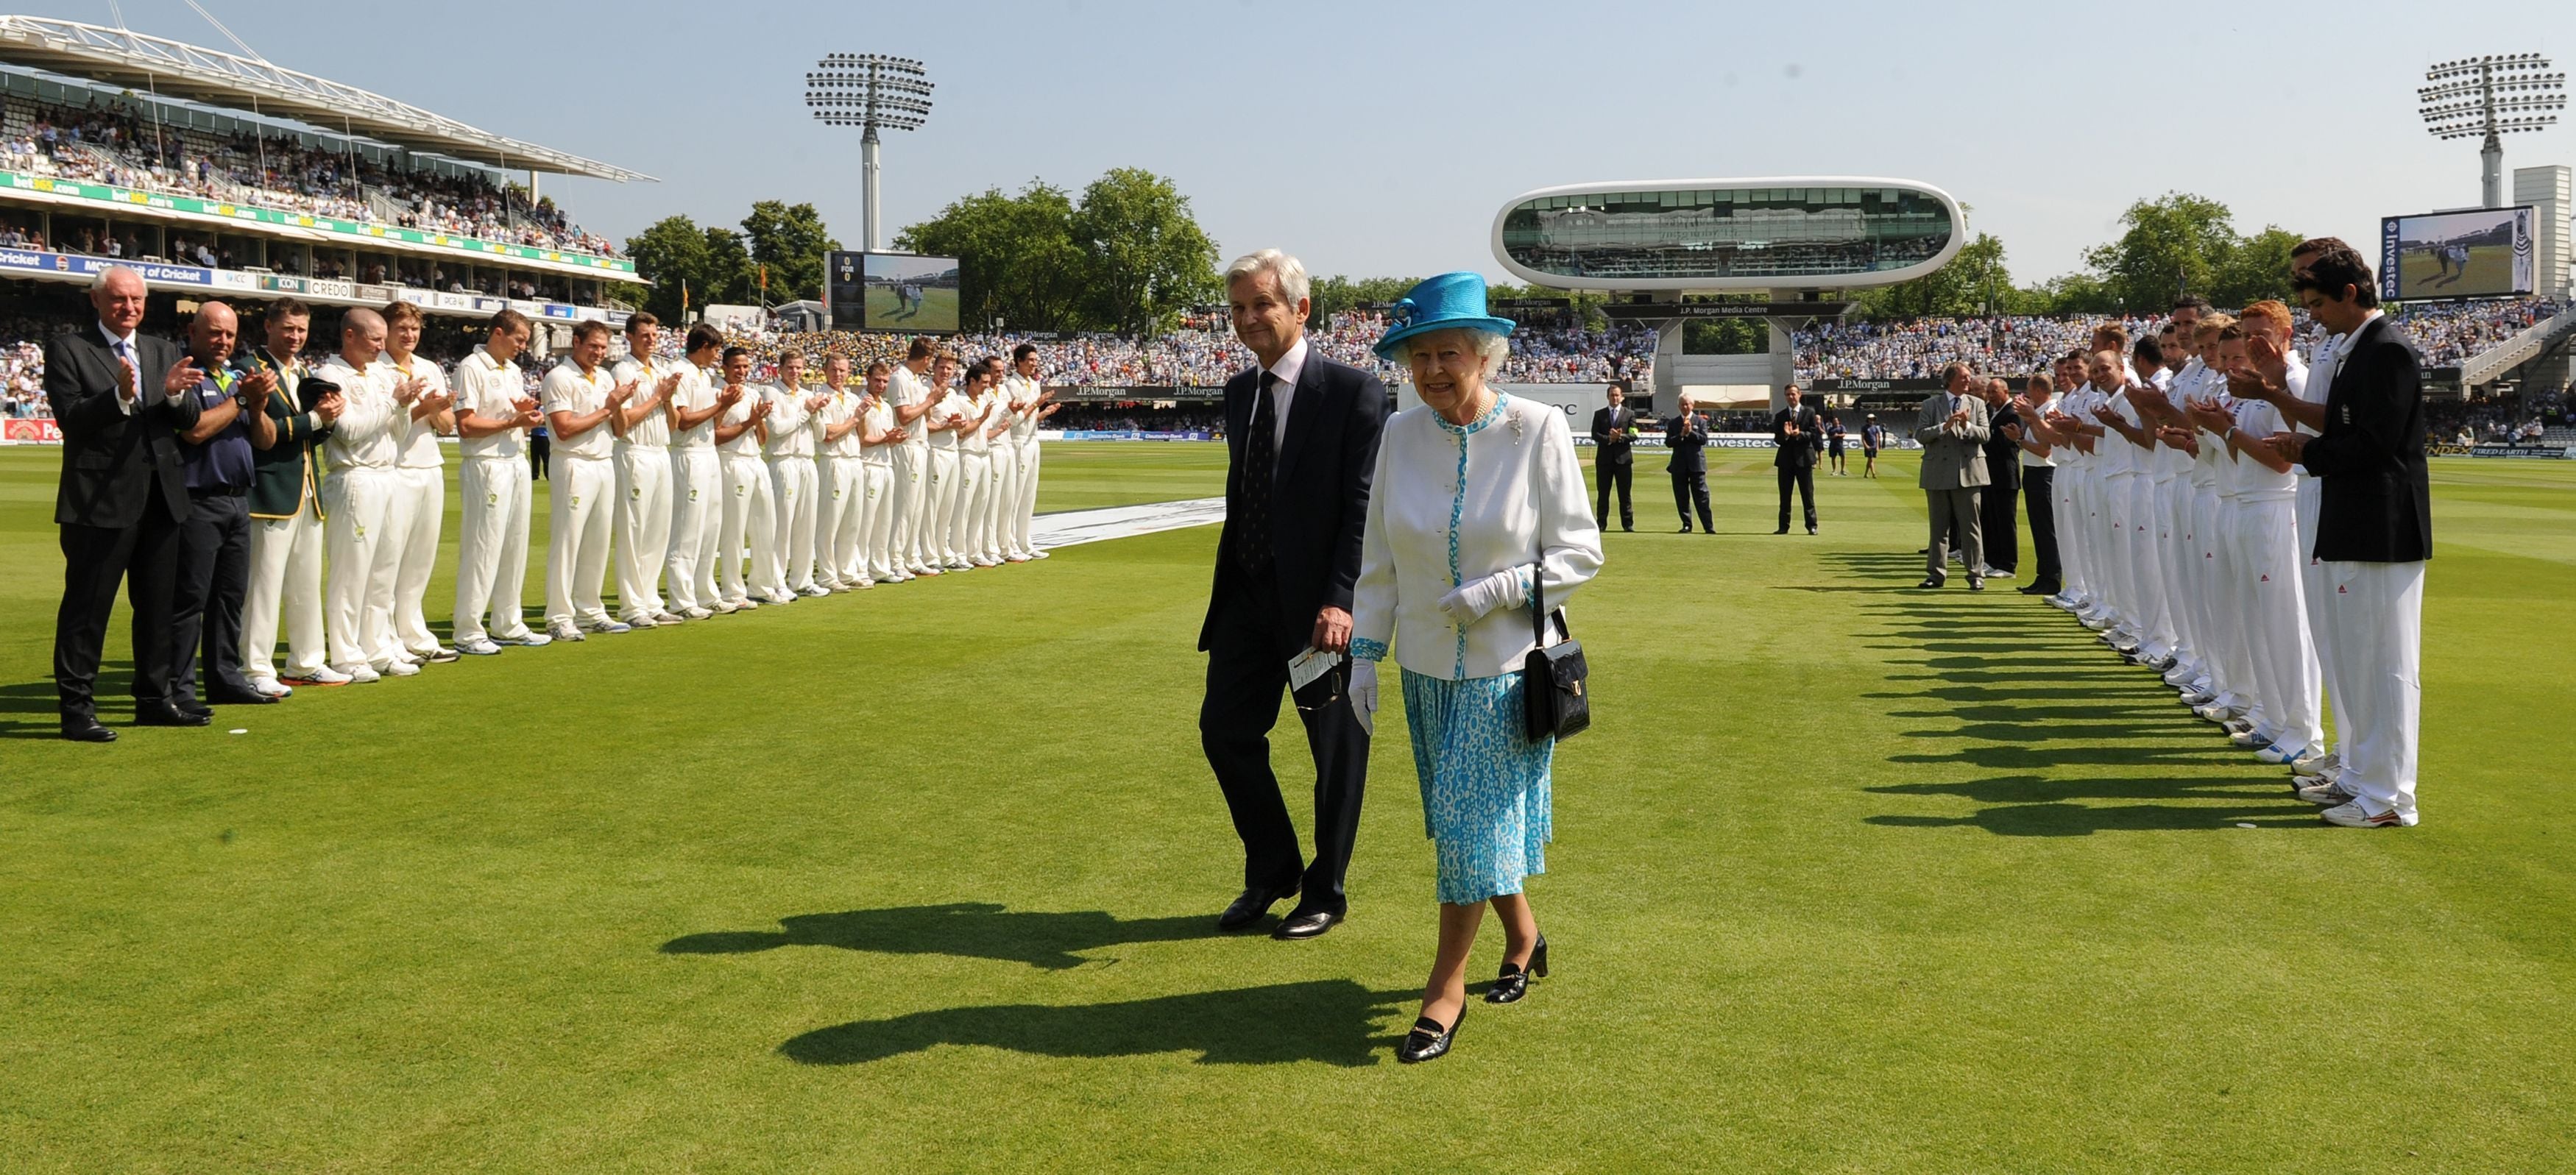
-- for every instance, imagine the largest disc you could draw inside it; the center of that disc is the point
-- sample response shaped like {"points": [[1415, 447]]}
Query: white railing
{"points": [[2488, 365]]}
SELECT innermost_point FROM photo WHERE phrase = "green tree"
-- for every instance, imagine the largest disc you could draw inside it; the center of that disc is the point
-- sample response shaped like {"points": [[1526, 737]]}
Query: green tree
{"points": [[791, 241], [1975, 281], [2257, 268], [668, 253], [1336, 294], [728, 277], [1017, 253], [2173, 246], [1148, 258]]}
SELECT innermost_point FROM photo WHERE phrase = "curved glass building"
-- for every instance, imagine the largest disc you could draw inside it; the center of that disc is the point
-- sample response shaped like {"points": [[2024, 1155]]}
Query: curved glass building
{"points": [[1833, 232]]}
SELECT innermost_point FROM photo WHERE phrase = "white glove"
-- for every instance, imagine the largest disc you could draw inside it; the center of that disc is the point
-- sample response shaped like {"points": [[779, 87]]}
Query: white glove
{"points": [[1364, 694], [1470, 601]]}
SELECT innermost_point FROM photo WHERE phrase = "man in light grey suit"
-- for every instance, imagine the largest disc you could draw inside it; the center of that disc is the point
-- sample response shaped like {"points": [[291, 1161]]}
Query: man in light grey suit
{"points": [[1952, 427]]}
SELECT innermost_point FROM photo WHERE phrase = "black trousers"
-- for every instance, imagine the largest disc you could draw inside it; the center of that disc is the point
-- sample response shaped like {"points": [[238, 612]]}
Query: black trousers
{"points": [[1803, 477], [1247, 671], [1996, 510], [538, 445], [145, 556], [1621, 474], [2039, 496], [1689, 487], [206, 605]]}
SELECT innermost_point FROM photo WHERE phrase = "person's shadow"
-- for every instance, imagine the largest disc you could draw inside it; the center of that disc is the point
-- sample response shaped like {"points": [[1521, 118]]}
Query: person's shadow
{"points": [[975, 930], [1329, 1020]]}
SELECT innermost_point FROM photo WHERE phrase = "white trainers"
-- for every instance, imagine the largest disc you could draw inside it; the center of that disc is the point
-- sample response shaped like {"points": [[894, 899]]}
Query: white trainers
{"points": [[324, 676], [1015, 557], [696, 613], [640, 622], [399, 668], [2325, 766], [2250, 739], [270, 687], [2278, 755], [814, 591], [478, 647], [2328, 794], [2353, 815], [668, 618], [1034, 553], [861, 584], [565, 631], [527, 637]]}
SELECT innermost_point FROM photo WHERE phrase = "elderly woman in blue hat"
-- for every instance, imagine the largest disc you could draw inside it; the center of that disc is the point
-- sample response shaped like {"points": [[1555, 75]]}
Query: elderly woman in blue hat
{"points": [[1477, 504]]}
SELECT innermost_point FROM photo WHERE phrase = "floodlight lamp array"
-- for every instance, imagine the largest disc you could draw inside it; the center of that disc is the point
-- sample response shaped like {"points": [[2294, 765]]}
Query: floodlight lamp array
{"points": [[2496, 94], [869, 90]]}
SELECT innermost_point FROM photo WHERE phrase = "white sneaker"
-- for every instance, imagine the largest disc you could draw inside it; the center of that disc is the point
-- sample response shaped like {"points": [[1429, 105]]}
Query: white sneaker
{"points": [[695, 613], [324, 676], [639, 622], [270, 687], [481, 647], [2352, 815], [528, 637], [2277, 755], [981, 561], [1015, 557], [815, 591], [863, 583], [359, 674], [725, 607], [1037, 554], [2325, 766], [668, 618], [399, 668], [2250, 739], [565, 631], [2325, 794]]}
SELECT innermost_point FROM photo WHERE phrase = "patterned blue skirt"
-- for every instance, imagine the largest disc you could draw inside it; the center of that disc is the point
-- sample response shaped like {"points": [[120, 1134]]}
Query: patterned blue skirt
{"points": [[1484, 784]]}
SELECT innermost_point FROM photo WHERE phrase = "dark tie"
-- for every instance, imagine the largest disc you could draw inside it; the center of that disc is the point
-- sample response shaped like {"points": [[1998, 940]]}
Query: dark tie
{"points": [[1252, 540]]}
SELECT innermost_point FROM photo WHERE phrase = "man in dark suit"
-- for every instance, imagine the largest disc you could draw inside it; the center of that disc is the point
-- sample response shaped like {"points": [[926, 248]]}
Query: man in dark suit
{"points": [[1686, 436], [2374, 535], [1797, 433], [1301, 438], [1998, 525], [121, 399], [1611, 445]]}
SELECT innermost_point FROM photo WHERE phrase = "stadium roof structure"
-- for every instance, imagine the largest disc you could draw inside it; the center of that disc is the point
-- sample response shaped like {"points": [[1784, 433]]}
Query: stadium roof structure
{"points": [[173, 69]]}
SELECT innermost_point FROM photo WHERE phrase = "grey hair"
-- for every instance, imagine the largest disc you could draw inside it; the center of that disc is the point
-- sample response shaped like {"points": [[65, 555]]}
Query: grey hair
{"points": [[1490, 347], [1289, 272], [98, 281]]}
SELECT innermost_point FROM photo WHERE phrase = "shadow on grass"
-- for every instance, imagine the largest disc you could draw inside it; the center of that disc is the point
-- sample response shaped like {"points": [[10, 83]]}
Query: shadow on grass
{"points": [[2084, 820], [975, 930], [1329, 1020]]}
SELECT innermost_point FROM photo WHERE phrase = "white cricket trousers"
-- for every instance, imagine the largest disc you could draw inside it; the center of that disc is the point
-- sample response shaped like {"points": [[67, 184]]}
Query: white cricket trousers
{"points": [[358, 588], [577, 541], [1022, 533], [492, 550], [2276, 622], [967, 512], [2119, 585], [2074, 532], [792, 487], [643, 522], [909, 491], [2375, 620], [2156, 632], [840, 552], [878, 558], [285, 569], [2312, 581], [939, 543], [418, 514], [2174, 562], [2231, 677], [1006, 501], [2209, 593], [750, 519], [697, 495]]}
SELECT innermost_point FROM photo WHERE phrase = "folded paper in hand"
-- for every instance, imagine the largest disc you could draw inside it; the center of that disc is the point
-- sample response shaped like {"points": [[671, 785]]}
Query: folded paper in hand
{"points": [[1305, 667]]}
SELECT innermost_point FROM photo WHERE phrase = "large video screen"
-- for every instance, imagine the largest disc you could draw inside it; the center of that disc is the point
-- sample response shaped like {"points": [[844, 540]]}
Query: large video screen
{"points": [[903, 292], [2483, 253]]}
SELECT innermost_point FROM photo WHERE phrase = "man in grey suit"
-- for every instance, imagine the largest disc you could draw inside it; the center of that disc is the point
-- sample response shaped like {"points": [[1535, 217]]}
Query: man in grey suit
{"points": [[1952, 427]]}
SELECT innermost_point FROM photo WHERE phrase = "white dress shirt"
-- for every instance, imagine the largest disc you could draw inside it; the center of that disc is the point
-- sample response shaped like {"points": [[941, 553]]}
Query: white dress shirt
{"points": [[1284, 393], [1452, 505]]}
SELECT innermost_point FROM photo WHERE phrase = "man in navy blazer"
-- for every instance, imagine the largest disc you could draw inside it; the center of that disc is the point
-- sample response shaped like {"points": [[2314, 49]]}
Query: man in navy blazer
{"points": [[2374, 534], [1301, 439], [122, 399]]}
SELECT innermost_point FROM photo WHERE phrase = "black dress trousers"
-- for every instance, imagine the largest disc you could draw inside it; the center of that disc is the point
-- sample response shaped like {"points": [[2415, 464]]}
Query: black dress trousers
{"points": [[2039, 497], [146, 557], [1248, 652], [205, 611]]}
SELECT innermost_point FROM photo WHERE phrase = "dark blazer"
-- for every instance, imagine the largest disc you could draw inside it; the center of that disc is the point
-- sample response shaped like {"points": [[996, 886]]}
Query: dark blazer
{"points": [[1610, 435], [2003, 454], [116, 466], [1319, 500], [286, 475], [1686, 436], [2376, 504], [1798, 452]]}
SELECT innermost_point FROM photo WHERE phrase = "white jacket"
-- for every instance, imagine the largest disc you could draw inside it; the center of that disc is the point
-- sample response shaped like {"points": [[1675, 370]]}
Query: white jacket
{"points": [[1450, 505]]}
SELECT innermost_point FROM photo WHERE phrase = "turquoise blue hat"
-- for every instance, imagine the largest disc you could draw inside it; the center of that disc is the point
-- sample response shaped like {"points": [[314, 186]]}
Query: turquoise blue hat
{"points": [[1450, 301]]}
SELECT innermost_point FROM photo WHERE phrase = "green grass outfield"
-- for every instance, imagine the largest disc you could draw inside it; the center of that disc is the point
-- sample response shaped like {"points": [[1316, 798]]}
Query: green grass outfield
{"points": [[1848, 878]]}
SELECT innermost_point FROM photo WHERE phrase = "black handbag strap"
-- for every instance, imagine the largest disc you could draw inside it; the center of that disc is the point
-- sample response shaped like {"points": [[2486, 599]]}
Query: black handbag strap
{"points": [[1538, 607]]}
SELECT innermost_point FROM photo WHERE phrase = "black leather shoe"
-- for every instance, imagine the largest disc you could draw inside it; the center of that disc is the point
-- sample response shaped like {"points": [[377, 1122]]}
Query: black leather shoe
{"points": [[193, 706], [251, 698], [1250, 905], [1811, 530], [1306, 924], [1782, 530], [1930, 585], [1514, 982], [165, 714], [86, 730], [1685, 530], [1429, 1041], [1976, 584]]}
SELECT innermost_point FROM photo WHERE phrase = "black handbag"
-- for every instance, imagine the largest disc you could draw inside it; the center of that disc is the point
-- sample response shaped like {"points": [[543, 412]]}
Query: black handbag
{"points": [[1553, 701]]}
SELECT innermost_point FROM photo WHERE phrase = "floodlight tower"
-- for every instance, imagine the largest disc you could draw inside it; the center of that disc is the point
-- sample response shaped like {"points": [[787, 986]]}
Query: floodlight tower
{"points": [[2491, 97], [871, 91]]}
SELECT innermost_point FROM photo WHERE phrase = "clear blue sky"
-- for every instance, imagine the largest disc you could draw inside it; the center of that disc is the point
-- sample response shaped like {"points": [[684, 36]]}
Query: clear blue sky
{"points": [[1380, 138]]}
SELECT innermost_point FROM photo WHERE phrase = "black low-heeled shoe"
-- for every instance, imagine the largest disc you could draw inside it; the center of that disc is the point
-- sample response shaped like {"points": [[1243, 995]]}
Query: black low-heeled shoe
{"points": [[1514, 982], [1429, 1041]]}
